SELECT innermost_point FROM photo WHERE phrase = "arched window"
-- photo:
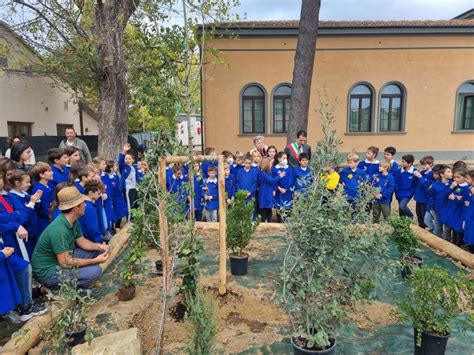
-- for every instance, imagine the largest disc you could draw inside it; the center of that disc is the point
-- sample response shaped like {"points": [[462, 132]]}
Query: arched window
{"points": [[281, 108], [465, 106], [391, 108], [360, 108], [253, 110]]}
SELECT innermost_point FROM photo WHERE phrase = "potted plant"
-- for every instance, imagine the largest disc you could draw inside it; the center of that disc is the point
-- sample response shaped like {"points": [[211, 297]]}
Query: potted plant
{"points": [[70, 328], [331, 262], [241, 228], [132, 265], [406, 242], [432, 303]]}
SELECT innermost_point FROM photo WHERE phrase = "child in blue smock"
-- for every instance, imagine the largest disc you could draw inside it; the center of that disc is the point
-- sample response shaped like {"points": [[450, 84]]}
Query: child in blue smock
{"points": [[386, 183], [198, 192], [351, 178], [118, 200], [42, 173], [453, 212], [370, 165], [128, 177], [266, 186], [302, 174], [247, 178], [439, 192], [284, 186], [468, 220], [229, 184], [425, 180], [59, 160], [90, 220], [176, 185], [405, 185], [205, 165], [211, 195]]}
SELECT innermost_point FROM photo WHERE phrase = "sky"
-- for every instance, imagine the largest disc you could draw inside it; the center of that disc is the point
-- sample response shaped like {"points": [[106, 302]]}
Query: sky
{"points": [[357, 9]]}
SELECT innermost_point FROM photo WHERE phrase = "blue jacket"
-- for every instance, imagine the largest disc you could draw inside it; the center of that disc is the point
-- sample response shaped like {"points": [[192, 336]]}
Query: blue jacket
{"points": [[302, 178], [247, 180], [59, 175], [108, 204], [287, 183], [453, 212], [198, 193], [469, 221], [177, 186], [230, 186], [22, 202], [405, 183], [266, 187], [234, 168], [351, 180], [395, 168], [44, 207], [90, 223], [371, 169], [211, 188], [125, 171], [10, 295], [424, 183], [386, 183], [118, 200], [439, 193]]}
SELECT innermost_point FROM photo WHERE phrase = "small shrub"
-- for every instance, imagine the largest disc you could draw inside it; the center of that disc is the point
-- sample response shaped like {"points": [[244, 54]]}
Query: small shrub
{"points": [[240, 224], [404, 238], [435, 299]]}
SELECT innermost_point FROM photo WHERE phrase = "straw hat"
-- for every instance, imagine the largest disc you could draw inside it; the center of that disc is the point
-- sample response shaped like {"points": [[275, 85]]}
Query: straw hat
{"points": [[69, 197]]}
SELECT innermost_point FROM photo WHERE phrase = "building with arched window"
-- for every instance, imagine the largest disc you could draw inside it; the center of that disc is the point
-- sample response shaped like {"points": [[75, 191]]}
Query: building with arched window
{"points": [[407, 84]]}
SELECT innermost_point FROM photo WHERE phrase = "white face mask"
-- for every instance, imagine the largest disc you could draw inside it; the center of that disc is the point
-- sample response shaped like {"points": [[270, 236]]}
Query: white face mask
{"points": [[230, 160], [284, 162]]}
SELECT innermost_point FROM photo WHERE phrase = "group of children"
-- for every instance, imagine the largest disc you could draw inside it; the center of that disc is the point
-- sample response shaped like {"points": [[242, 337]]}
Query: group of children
{"points": [[444, 195], [28, 203]]}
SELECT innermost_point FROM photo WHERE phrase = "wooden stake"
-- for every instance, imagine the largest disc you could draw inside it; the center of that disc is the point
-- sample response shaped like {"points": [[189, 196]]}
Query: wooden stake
{"points": [[222, 228], [164, 227]]}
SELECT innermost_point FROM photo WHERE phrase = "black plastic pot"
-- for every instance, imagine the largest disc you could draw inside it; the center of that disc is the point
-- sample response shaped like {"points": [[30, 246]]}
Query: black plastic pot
{"points": [[329, 351], [238, 264], [159, 267], [415, 262], [431, 344], [76, 337]]}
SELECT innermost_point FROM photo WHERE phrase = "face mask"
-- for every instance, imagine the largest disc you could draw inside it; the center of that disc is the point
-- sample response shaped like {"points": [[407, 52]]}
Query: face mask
{"points": [[230, 160], [284, 162]]}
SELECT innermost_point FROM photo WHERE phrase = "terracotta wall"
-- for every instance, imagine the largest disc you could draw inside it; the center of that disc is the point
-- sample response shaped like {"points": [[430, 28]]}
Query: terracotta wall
{"points": [[430, 67]]}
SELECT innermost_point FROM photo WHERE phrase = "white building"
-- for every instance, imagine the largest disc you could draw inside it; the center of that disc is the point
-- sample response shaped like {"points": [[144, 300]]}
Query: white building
{"points": [[32, 105]]}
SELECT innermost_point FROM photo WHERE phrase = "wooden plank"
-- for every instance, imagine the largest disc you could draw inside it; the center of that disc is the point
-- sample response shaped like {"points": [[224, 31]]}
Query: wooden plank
{"points": [[185, 159], [222, 228]]}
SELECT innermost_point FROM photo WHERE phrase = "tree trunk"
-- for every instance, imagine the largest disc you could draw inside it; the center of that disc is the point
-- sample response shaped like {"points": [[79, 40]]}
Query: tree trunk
{"points": [[303, 69], [111, 19]]}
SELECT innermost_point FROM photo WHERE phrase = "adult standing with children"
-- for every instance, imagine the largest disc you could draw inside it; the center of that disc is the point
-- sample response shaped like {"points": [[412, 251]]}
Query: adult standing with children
{"points": [[17, 139], [259, 146], [72, 141], [294, 149]]}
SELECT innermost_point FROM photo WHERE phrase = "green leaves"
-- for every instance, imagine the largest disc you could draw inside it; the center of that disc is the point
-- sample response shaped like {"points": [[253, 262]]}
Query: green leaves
{"points": [[240, 224], [403, 237], [435, 299]]}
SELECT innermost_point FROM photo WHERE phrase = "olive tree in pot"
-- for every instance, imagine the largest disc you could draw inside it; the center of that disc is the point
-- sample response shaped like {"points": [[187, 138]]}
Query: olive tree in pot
{"points": [[436, 298], [333, 255], [406, 242], [241, 228]]}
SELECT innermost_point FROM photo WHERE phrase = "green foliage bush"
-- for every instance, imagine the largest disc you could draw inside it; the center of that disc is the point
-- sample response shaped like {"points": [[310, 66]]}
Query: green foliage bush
{"points": [[404, 238], [203, 323], [240, 224], [331, 261], [435, 299]]}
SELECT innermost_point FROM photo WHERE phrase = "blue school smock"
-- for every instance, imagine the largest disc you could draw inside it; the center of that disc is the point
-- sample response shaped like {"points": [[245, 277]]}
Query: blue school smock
{"points": [[351, 179], [266, 187], [405, 183], [394, 168], [230, 186], [101, 215], [118, 200], [386, 184], [303, 178], [454, 209], [198, 193], [78, 186], [287, 183], [59, 175], [247, 181], [234, 168], [211, 188], [90, 223], [370, 168], [10, 295], [108, 204], [10, 222], [469, 221], [424, 183], [177, 186], [440, 191], [44, 207], [125, 171], [56, 213], [21, 201]]}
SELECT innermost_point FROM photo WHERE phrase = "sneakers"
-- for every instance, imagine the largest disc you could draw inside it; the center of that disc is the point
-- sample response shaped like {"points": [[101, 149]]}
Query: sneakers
{"points": [[34, 309], [12, 318]]}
